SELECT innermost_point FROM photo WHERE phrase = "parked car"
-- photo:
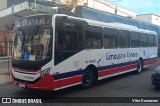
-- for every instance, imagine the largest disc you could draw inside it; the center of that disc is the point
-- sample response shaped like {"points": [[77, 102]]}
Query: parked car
{"points": [[156, 77]]}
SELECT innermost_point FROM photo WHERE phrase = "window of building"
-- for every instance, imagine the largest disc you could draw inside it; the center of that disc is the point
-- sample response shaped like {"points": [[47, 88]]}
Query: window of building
{"points": [[124, 39], [135, 40], [110, 38]]}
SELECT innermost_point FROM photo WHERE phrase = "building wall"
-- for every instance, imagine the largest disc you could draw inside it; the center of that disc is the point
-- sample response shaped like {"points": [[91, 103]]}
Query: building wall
{"points": [[107, 7], [14, 2], [7, 34], [156, 20], [3, 4], [144, 17], [149, 18], [99, 5], [6, 40]]}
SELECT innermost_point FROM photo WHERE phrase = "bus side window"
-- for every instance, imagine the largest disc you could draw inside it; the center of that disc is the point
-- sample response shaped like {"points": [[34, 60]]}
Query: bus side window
{"points": [[155, 40], [143, 40], [71, 40], [93, 37], [124, 39], [110, 38], [151, 40], [66, 40], [80, 40], [135, 39], [60, 40]]}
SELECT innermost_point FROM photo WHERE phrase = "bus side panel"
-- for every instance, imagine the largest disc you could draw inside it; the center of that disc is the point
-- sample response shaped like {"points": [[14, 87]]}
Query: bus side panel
{"points": [[70, 71], [111, 62]]}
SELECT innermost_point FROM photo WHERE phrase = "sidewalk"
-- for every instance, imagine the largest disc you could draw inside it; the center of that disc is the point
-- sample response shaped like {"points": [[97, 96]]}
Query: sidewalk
{"points": [[4, 76], [4, 71]]}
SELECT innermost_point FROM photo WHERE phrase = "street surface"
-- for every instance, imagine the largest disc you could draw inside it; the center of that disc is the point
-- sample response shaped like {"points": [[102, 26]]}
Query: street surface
{"points": [[127, 85]]}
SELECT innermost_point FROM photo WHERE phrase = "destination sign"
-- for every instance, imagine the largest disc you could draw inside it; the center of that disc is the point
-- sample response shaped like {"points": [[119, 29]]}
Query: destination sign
{"points": [[33, 20]]}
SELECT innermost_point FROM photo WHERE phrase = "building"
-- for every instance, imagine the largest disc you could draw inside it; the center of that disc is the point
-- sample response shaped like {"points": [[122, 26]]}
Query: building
{"points": [[8, 3], [149, 18], [14, 2], [107, 7], [3, 5]]}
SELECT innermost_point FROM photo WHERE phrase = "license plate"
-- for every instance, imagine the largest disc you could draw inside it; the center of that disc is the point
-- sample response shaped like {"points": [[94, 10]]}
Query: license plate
{"points": [[22, 85]]}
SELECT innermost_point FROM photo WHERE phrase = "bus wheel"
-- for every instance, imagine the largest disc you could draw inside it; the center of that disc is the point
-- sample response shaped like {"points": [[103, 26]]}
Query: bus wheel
{"points": [[88, 78], [139, 66]]}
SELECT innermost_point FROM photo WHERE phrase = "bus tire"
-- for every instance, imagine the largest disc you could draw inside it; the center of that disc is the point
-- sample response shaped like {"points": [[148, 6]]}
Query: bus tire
{"points": [[88, 78], [139, 66]]}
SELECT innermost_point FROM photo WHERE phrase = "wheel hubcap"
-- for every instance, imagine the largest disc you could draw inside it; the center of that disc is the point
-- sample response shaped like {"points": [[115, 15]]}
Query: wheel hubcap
{"points": [[87, 77]]}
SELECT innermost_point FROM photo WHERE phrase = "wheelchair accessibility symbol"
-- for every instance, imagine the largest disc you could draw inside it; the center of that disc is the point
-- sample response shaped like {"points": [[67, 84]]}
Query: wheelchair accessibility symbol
{"points": [[26, 56]]}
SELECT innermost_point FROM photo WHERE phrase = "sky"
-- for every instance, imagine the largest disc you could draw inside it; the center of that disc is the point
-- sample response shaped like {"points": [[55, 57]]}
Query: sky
{"points": [[139, 6]]}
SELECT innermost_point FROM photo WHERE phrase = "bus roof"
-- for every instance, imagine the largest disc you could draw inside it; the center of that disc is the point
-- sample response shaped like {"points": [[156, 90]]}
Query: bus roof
{"points": [[102, 24], [110, 25]]}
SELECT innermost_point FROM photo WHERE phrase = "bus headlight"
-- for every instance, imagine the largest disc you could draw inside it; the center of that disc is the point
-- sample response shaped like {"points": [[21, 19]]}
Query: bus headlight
{"points": [[45, 72]]}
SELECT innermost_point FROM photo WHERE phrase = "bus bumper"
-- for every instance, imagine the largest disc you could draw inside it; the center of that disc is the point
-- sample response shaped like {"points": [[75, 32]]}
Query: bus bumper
{"points": [[45, 83]]}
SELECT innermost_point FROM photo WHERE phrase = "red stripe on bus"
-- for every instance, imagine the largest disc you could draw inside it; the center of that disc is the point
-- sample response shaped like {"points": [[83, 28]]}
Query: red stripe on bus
{"points": [[56, 84], [66, 81], [77, 79], [46, 83], [116, 70], [149, 62]]}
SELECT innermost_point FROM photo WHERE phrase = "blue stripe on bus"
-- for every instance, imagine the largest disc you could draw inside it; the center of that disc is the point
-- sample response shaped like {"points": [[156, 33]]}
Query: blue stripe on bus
{"points": [[80, 72], [68, 74]]}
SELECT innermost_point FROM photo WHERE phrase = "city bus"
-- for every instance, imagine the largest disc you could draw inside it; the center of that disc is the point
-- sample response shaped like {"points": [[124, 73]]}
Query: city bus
{"points": [[52, 52]]}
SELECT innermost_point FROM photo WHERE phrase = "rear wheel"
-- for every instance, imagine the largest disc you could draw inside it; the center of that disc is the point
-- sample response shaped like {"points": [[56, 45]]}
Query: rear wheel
{"points": [[88, 79], [139, 66]]}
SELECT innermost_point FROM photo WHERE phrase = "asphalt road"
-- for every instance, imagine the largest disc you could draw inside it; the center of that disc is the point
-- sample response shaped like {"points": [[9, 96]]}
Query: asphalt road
{"points": [[126, 85]]}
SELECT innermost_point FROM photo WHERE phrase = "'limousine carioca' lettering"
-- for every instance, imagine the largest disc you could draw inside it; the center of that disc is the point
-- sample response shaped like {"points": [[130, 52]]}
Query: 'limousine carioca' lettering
{"points": [[120, 56]]}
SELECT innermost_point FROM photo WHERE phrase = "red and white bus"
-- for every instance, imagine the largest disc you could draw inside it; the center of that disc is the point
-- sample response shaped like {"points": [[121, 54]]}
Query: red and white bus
{"points": [[52, 52]]}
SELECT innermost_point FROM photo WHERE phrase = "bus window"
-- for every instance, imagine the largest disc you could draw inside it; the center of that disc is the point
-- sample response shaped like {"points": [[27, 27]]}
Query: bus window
{"points": [[67, 40], [80, 40], [110, 38], [155, 41], [70, 40], [143, 40], [135, 42], [93, 37], [124, 39], [151, 40]]}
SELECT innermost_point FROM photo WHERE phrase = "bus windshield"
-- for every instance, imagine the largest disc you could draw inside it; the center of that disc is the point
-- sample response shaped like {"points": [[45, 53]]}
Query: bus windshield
{"points": [[32, 44]]}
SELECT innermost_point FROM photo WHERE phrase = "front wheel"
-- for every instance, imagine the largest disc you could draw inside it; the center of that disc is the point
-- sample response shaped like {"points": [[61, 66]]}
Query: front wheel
{"points": [[88, 79], [139, 66]]}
